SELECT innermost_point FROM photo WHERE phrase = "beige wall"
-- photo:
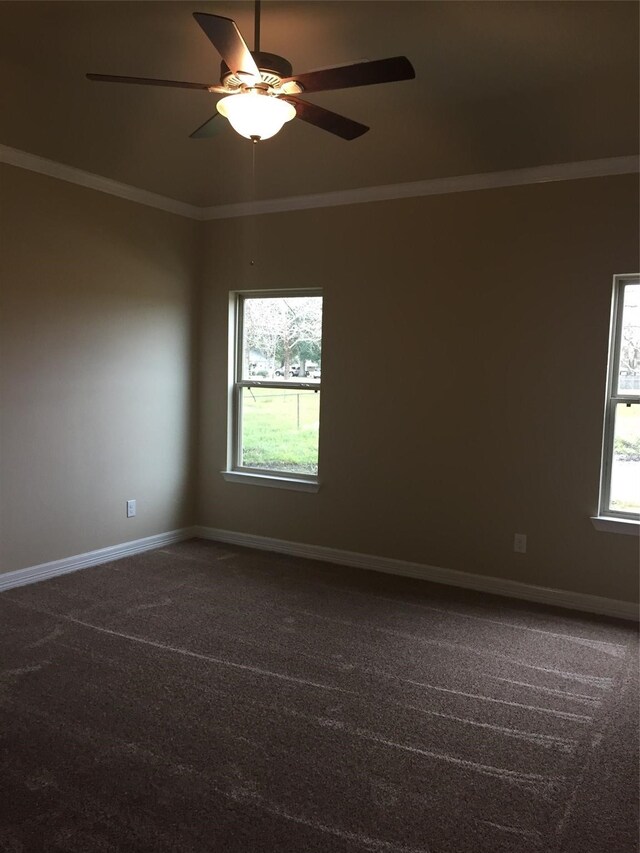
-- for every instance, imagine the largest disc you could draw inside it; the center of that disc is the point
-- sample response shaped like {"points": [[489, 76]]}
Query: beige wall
{"points": [[95, 369], [463, 377], [463, 374]]}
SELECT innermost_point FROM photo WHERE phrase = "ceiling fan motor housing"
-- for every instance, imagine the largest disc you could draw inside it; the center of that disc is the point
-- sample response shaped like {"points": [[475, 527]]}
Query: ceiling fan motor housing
{"points": [[271, 66]]}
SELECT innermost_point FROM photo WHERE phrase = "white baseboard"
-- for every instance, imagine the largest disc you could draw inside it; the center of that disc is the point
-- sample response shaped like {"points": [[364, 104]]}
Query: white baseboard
{"points": [[31, 574], [450, 577], [435, 574]]}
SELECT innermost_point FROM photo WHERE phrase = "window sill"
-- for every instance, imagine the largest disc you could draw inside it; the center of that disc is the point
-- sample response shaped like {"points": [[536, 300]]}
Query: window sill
{"points": [[608, 524], [271, 481]]}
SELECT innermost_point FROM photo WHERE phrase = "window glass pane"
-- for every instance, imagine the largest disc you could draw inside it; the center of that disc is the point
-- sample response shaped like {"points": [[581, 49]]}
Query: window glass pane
{"points": [[629, 370], [282, 338], [280, 429], [625, 467]]}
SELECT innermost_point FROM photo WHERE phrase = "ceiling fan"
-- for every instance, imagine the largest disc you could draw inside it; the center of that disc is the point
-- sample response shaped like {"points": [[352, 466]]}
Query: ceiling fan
{"points": [[262, 91]]}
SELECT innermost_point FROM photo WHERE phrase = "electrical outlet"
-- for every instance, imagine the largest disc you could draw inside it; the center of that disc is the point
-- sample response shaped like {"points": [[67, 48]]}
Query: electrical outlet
{"points": [[131, 509], [520, 543]]}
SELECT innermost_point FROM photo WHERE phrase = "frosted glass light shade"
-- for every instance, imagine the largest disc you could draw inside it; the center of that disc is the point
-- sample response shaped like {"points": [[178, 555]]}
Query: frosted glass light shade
{"points": [[255, 115]]}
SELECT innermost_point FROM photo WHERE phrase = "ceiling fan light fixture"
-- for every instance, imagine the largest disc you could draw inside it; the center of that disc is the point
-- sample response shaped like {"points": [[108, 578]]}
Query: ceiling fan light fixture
{"points": [[254, 114]]}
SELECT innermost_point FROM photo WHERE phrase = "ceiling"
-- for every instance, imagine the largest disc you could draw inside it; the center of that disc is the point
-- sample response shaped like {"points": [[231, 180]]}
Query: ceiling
{"points": [[499, 85]]}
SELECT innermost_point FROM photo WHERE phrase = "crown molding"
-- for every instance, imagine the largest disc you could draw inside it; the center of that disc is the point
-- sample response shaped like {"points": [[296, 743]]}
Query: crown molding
{"points": [[34, 163], [435, 186]]}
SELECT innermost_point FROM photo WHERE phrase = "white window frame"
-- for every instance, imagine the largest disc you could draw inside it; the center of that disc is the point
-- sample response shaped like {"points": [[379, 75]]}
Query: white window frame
{"points": [[235, 471], [608, 519]]}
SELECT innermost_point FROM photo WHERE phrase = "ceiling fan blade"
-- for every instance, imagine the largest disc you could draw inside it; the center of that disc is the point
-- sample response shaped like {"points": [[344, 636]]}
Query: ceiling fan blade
{"points": [[358, 74], [225, 37], [150, 81], [211, 127], [325, 119]]}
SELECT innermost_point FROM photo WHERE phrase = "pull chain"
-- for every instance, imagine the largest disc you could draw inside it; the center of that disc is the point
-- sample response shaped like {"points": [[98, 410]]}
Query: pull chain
{"points": [[254, 144], [253, 248]]}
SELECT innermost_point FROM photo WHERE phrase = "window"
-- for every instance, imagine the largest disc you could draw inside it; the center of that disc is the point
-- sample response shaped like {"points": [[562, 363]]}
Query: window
{"points": [[275, 388], [620, 479]]}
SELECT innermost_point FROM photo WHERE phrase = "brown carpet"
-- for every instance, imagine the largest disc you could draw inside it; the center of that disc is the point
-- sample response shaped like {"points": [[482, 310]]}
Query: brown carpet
{"points": [[205, 697]]}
